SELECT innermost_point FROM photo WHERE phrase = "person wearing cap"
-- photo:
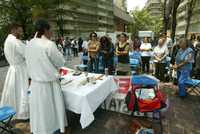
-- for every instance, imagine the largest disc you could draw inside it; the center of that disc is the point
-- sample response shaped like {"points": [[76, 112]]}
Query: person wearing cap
{"points": [[47, 111], [16, 84]]}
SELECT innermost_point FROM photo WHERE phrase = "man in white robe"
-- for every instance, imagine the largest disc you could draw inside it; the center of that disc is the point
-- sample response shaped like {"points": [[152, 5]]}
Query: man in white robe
{"points": [[16, 83], [47, 112]]}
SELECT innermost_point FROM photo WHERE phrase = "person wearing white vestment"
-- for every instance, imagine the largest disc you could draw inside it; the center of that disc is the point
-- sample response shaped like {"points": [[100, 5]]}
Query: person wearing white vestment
{"points": [[47, 111], [16, 83]]}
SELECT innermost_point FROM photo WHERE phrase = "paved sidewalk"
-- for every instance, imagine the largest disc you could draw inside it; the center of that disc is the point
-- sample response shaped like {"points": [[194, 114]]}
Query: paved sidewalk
{"points": [[183, 115]]}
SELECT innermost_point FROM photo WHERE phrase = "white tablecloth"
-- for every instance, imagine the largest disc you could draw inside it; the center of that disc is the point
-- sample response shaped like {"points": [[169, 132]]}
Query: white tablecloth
{"points": [[84, 100]]}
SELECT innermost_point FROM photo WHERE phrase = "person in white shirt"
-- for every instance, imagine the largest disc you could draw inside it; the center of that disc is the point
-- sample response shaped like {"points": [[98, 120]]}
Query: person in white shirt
{"points": [[85, 45], [16, 83], [47, 111], [145, 49], [160, 53], [75, 47], [167, 41]]}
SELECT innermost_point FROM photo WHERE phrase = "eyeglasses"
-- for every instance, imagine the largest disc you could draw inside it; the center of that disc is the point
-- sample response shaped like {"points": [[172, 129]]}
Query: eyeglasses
{"points": [[94, 36]]}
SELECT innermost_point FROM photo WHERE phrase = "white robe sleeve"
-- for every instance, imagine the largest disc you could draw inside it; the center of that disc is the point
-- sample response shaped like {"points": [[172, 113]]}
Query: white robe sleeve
{"points": [[55, 56]]}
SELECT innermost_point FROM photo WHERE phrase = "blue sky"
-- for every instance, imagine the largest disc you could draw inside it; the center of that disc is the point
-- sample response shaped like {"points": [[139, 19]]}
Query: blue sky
{"points": [[135, 3]]}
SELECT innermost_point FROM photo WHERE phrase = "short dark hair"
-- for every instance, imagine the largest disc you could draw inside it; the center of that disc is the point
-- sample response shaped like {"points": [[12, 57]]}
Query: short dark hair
{"points": [[92, 34], [41, 25], [136, 37], [163, 34], [14, 26], [124, 35]]}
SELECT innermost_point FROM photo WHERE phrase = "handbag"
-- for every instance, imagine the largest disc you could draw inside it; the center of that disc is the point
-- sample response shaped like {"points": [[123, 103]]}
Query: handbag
{"points": [[135, 103], [149, 105]]}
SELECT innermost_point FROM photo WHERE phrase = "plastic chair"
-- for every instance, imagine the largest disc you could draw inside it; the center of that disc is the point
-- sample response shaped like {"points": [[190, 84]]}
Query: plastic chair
{"points": [[6, 115], [194, 85], [135, 61], [83, 67]]}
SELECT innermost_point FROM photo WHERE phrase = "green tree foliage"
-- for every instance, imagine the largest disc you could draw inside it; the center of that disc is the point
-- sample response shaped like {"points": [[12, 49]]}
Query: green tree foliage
{"points": [[16, 11], [24, 12], [143, 21]]}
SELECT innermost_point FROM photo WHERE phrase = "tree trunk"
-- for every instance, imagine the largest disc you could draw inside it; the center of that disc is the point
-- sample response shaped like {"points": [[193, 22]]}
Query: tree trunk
{"points": [[191, 5], [165, 24], [167, 13], [173, 25], [176, 4]]}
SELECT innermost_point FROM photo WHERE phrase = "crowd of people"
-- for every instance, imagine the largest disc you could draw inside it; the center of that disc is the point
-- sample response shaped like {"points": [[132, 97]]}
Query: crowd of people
{"points": [[154, 58], [40, 60], [161, 59], [69, 46]]}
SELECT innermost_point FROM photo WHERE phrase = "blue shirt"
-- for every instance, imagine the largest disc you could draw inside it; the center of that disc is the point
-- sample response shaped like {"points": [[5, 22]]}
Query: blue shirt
{"points": [[182, 56], [135, 55]]}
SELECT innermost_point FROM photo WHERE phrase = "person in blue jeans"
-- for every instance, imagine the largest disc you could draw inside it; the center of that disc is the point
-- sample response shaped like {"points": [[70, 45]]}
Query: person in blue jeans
{"points": [[183, 65], [93, 53]]}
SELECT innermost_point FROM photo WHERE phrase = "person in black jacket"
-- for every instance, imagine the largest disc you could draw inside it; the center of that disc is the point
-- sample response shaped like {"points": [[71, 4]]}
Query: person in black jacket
{"points": [[107, 53]]}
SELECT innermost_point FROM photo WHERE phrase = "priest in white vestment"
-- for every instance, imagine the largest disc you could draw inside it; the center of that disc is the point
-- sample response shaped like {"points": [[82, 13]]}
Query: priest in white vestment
{"points": [[47, 112], [16, 82]]}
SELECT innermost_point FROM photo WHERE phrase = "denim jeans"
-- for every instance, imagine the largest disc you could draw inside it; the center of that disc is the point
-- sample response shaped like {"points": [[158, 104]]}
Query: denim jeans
{"points": [[108, 63], [182, 76], [93, 65]]}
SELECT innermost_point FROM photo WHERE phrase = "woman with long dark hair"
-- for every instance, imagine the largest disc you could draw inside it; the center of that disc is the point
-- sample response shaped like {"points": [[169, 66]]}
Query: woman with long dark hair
{"points": [[47, 111], [107, 53]]}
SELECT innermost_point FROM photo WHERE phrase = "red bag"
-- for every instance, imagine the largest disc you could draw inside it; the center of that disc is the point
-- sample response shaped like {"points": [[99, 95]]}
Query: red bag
{"points": [[130, 100], [156, 103], [149, 105], [162, 97]]}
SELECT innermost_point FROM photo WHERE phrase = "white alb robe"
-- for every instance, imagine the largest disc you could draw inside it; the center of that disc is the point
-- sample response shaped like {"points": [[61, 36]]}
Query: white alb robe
{"points": [[47, 112], [16, 83]]}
